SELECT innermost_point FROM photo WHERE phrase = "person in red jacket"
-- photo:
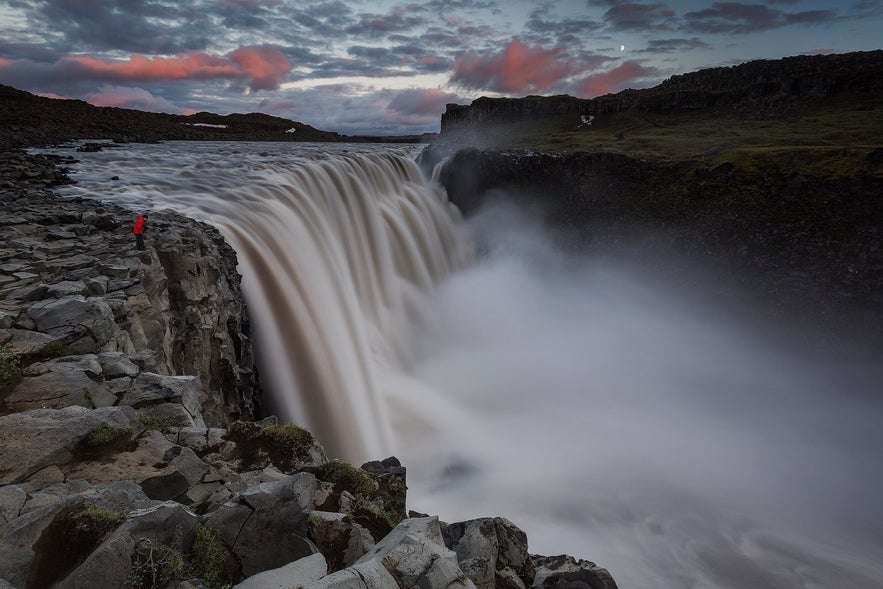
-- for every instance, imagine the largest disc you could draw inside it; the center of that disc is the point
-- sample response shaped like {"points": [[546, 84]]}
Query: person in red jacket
{"points": [[140, 227]]}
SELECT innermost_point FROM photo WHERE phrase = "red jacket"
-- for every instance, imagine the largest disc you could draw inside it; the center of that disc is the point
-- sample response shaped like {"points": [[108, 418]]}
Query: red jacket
{"points": [[140, 225]]}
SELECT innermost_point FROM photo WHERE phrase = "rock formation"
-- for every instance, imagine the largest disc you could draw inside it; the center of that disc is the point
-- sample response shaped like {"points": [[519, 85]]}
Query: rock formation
{"points": [[752, 85]]}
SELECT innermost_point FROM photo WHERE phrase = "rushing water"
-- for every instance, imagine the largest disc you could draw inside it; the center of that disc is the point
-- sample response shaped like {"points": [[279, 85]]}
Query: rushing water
{"points": [[612, 416]]}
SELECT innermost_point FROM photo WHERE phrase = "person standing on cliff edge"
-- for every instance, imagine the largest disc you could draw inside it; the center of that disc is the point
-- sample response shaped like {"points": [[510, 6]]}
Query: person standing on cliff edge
{"points": [[140, 227]]}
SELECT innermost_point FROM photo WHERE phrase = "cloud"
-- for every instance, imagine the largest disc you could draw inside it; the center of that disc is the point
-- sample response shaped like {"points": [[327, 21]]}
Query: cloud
{"points": [[674, 45], [264, 67], [612, 81], [631, 16], [737, 17], [421, 102], [259, 68], [137, 98], [517, 68], [150, 26], [379, 25]]}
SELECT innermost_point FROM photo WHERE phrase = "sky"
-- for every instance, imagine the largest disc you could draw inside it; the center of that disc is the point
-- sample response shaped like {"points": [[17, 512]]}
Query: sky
{"points": [[388, 67]]}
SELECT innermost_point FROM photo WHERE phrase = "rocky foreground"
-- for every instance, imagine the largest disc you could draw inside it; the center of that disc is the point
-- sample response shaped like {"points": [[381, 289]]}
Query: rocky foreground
{"points": [[129, 451]]}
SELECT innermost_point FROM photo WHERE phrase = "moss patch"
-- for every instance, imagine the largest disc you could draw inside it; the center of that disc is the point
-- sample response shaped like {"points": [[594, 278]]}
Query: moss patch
{"points": [[212, 559], [288, 438], [66, 542], [346, 477], [10, 375]]}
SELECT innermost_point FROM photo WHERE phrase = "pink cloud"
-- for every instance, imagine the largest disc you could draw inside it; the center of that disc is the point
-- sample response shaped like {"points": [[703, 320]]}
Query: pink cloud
{"points": [[259, 68], [619, 78], [518, 68], [265, 66], [428, 101]]}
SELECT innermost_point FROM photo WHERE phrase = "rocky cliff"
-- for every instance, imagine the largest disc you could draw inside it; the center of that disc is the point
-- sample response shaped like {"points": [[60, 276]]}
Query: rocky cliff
{"points": [[760, 84]]}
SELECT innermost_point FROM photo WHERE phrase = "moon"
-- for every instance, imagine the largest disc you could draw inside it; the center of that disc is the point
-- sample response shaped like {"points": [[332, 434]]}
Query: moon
{"points": [[622, 47]]}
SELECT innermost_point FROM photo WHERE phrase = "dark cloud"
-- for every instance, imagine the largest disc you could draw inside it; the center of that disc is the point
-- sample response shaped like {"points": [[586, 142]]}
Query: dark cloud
{"points": [[126, 25], [33, 51], [421, 102], [738, 17], [380, 25], [541, 28], [674, 45], [631, 16]]}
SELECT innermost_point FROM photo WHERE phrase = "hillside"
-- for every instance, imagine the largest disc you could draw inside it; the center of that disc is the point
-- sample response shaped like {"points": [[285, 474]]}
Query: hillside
{"points": [[28, 120], [803, 111]]}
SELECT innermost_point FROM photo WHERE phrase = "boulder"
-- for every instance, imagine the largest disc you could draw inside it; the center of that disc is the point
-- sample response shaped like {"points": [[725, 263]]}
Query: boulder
{"points": [[58, 388], [341, 540], [117, 365], [67, 288], [412, 555], [566, 572], [156, 530], [151, 389], [12, 499], [266, 526], [33, 440], [491, 551], [300, 573], [21, 342], [37, 540], [88, 322]]}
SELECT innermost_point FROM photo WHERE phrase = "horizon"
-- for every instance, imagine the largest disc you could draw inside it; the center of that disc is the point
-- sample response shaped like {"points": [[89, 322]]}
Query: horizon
{"points": [[390, 68]]}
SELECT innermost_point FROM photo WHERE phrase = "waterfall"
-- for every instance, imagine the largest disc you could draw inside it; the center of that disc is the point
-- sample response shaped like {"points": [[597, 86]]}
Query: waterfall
{"points": [[337, 248], [335, 254]]}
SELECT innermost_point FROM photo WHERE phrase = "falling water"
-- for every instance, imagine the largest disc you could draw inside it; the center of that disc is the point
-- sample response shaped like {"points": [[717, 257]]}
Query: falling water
{"points": [[642, 424]]}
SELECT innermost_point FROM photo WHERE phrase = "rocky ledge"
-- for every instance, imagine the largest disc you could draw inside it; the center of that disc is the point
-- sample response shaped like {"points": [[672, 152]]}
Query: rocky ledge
{"points": [[129, 454]]}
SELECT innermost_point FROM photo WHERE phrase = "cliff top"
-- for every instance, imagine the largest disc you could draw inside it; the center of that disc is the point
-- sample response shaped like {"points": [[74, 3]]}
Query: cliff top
{"points": [[801, 111]]}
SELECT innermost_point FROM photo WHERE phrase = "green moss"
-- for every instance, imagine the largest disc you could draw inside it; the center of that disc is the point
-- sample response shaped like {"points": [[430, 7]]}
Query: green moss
{"points": [[290, 438], [157, 423], [377, 510], [10, 374], [92, 517], [106, 435], [49, 351], [211, 558], [346, 477]]}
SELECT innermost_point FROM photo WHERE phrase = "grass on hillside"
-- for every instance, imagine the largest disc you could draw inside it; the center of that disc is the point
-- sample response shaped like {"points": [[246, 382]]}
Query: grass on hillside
{"points": [[830, 137]]}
